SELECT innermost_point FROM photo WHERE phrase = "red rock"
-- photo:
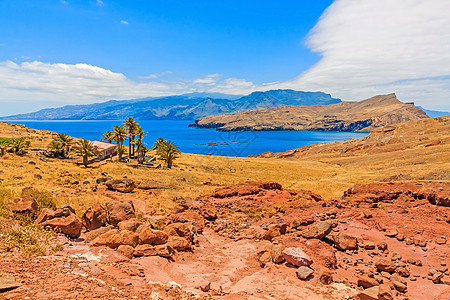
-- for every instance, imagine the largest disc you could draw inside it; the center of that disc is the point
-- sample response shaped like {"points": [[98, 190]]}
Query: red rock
{"points": [[367, 282], [384, 265], [403, 271], [304, 272], [91, 235], [145, 250], [264, 259], [186, 230], [44, 215], [296, 257], [345, 241], [369, 294], [178, 243], [317, 230], [94, 218], [276, 253], [271, 233], [189, 217], [152, 236], [130, 224], [164, 251], [121, 185], [385, 292], [25, 206], [126, 250], [70, 225], [119, 211], [114, 238], [323, 274]]}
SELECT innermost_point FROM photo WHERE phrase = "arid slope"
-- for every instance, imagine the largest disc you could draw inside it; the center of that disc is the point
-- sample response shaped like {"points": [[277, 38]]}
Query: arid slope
{"points": [[345, 116]]}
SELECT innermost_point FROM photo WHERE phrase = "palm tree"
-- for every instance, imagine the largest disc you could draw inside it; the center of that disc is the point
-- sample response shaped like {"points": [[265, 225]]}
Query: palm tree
{"points": [[141, 151], [108, 136], [65, 142], [18, 145], [140, 132], [120, 134], [56, 148], [158, 143], [131, 125], [85, 149], [168, 151]]}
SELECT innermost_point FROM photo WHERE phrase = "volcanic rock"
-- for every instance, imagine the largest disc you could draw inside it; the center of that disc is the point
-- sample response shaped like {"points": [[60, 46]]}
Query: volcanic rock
{"points": [[121, 185], [69, 225], [25, 206], [91, 235], [119, 211], [94, 218], [145, 250], [304, 272], [130, 224], [152, 236], [126, 250], [186, 230], [367, 282], [317, 230], [345, 242], [296, 257], [178, 243], [384, 265]]}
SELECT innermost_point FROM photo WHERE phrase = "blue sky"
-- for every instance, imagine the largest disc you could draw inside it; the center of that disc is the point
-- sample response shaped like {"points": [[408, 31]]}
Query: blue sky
{"points": [[262, 41], [59, 52]]}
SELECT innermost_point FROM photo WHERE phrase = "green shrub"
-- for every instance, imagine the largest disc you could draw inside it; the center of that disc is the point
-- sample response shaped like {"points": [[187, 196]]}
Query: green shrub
{"points": [[31, 239], [43, 198]]}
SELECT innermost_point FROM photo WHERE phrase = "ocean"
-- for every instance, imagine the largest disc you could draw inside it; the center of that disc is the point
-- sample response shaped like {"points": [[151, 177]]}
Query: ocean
{"points": [[192, 140]]}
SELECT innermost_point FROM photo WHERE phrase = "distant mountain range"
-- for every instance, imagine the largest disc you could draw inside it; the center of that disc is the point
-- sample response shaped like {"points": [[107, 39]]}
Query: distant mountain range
{"points": [[182, 107]]}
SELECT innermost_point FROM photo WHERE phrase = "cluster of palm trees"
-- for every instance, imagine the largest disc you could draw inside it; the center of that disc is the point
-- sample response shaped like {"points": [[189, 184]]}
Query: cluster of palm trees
{"points": [[130, 129], [60, 145], [15, 145]]}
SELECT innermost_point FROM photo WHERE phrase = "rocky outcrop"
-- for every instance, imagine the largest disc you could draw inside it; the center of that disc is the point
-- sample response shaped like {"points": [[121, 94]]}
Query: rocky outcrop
{"points": [[25, 206], [365, 115], [95, 217], [119, 211], [61, 220]]}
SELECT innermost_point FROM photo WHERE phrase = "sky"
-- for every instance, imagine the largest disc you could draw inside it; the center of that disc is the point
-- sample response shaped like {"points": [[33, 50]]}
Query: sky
{"points": [[59, 52]]}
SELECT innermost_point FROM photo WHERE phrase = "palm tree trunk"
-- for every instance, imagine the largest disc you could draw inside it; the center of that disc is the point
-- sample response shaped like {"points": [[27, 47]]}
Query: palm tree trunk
{"points": [[129, 146], [169, 163], [85, 160]]}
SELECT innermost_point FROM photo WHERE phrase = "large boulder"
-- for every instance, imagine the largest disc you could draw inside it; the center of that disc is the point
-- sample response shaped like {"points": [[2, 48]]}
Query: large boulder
{"points": [[385, 265], [276, 253], [114, 238], [69, 225], [296, 257], [130, 224], [119, 211], [317, 230], [186, 230], [25, 206], [91, 235], [345, 241], [145, 250], [178, 243], [189, 217], [151, 236], [366, 282], [121, 185], [126, 250], [95, 217], [44, 215]]}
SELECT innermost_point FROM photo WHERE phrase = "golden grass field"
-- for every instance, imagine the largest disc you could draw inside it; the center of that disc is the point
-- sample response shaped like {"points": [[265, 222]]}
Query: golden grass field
{"points": [[326, 173]]}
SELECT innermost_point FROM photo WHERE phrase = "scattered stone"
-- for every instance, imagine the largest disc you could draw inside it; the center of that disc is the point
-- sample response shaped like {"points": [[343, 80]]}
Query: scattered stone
{"points": [[25, 206], [366, 282], [94, 218], [152, 236], [437, 277], [178, 243], [264, 259], [296, 257], [119, 211], [391, 233], [144, 250], [382, 246], [304, 272], [396, 256], [403, 271], [345, 241], [130, 224], [323, 274], [126, 250], [91, 235], [399, 286], [384, 265], [385, 292], [440, 241], [8, 283], [69, 225], [271, 233], [276, 253], [368, 294], [367, 214], [121, 185], [317, 230]]}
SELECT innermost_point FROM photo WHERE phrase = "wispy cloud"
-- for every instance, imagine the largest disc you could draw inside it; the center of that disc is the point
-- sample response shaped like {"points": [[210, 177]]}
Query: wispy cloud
{"points": [[99, 3], [123, 22], [369, 47]]}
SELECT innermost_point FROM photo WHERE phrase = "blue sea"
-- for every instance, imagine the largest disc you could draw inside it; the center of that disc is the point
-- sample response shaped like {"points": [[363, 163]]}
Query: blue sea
{"points": [[192, 140]]}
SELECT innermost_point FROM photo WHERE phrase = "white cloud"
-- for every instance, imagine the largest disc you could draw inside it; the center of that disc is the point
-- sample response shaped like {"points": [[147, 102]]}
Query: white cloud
{"points": [[370, 47], [123, 22], [209, 79], [83, 83], [99, 3]]}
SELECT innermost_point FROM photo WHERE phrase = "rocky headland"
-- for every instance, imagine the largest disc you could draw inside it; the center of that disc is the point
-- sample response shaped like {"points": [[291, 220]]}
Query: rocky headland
{"points": [[364, 115]]}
